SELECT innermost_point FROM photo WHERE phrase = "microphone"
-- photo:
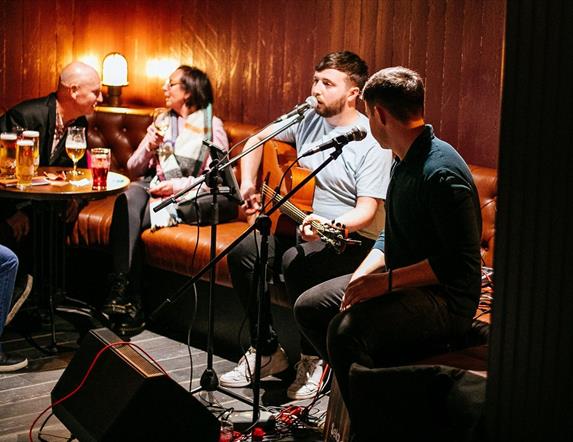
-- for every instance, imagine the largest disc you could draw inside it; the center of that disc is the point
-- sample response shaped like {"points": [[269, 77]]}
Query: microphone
{"points": [[299, 109], [213, 147], [357, 133]]}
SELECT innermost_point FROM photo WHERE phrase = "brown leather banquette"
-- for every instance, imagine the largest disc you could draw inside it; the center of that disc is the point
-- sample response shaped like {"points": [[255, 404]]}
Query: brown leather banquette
{"points": [[172, 249]]}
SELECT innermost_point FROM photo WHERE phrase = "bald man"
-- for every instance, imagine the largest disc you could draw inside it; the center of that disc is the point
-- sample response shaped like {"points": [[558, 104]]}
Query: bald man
{"points": [[77, 94]]}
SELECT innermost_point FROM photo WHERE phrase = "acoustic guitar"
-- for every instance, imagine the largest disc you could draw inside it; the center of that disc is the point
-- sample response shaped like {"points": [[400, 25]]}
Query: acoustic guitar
{"points": [[333, 236]]}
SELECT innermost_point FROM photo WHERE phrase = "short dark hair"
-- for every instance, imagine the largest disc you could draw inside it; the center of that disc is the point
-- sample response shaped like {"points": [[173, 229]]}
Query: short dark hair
{"points": [[197, 84], [347, 62], [399, 90]]}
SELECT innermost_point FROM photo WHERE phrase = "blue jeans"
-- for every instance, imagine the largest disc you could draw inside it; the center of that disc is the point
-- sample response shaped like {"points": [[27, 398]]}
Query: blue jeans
{"points": [[8, 270]]}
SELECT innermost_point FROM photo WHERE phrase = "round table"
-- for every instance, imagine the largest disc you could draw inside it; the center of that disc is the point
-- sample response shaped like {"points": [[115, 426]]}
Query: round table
{"points": [[49, 204], [56, 191]]}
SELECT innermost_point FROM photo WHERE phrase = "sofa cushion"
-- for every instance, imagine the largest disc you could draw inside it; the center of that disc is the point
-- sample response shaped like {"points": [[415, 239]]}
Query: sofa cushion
{"points": [[172, 248], [121, 130], [185, 249], [485, 179]]}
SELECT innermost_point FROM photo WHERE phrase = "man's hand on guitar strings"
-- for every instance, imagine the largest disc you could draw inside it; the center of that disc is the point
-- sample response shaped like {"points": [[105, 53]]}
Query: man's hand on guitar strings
{"points": [[252, 200], [307, 230]]}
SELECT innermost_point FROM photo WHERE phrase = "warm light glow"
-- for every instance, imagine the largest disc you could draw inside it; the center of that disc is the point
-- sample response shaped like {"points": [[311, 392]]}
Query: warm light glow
{"points": [[161, 67], [91, 60], [114, 70]]}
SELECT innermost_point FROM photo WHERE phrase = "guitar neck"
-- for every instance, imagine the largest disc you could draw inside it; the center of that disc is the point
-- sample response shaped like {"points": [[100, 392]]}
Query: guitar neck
{"points": [[287, 207]]}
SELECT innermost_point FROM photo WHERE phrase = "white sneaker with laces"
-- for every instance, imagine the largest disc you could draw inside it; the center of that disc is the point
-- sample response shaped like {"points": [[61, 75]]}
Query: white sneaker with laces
{"points": [[241, 375], [308, 373]]}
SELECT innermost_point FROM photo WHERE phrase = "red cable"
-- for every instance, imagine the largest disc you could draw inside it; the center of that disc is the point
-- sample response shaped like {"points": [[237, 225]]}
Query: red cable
{"points": [[94, 360]]}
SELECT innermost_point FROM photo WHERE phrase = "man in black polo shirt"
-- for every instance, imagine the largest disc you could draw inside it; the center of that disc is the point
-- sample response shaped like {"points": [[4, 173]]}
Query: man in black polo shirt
{"points": [[419, 286]]}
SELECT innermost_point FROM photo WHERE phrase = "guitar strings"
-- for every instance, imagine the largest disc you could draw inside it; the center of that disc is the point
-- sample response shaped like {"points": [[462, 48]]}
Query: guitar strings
{"points": [[288, 207]]}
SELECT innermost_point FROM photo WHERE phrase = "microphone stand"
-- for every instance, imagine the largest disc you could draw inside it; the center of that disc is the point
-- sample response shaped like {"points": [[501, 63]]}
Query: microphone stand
{"points": [[263, 224], [209, 380]]}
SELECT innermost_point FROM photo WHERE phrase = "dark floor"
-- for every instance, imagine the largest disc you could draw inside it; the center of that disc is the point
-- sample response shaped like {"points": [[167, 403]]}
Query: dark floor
{"points": [[25, 394]]}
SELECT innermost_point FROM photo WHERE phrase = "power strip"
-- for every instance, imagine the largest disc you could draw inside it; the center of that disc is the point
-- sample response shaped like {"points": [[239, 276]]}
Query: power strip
{"points": [[244, 419]]}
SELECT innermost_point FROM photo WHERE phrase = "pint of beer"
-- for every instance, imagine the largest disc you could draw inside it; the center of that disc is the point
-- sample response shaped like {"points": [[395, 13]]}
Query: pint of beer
{"points": [[8, 154], [35, 137], [24, 163]]}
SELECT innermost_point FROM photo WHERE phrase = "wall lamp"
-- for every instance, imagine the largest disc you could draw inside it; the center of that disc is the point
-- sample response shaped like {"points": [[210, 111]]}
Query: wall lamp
{"points": [[114, 74]]}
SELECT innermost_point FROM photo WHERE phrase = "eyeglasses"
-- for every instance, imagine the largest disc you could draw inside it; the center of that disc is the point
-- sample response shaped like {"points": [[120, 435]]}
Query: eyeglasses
{"points": [[170, 85]]}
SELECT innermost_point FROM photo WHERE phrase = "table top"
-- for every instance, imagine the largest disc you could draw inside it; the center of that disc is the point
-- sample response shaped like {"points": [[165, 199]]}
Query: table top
{"points": [[62, 190]]}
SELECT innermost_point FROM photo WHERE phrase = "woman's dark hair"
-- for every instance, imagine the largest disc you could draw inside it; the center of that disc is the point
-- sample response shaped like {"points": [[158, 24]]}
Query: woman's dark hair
{"points": [[347, 62], [197, 84]]}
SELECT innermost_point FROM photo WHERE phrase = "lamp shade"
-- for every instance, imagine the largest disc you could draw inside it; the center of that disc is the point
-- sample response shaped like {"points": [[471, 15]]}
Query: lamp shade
{"points": [[114, 70]]}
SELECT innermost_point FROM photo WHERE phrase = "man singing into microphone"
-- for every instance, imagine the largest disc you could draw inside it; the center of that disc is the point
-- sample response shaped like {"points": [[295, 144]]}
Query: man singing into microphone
{"points": [[348, 191]]}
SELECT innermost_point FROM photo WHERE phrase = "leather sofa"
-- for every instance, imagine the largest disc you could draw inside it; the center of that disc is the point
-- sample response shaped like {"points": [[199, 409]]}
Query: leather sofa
{"points": [[171, 249]]}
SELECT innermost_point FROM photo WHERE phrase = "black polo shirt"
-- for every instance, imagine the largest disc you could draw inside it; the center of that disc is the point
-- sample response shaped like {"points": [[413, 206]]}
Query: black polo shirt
{"points": [[433, 212]]}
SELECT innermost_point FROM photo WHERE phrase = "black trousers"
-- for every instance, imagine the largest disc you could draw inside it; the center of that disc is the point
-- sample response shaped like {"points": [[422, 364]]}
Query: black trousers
{"points": [[131, 215], [296, 266], [393, 329]]}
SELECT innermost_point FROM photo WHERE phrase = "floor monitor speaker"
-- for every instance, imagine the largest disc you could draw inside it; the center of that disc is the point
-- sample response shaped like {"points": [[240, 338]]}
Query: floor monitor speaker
{"points": [[126, 397]]}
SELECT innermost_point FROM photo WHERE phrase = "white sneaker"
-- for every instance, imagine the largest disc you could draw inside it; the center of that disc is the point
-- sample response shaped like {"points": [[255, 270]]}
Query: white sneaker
{"points": [[241, 375], [308, 373]]}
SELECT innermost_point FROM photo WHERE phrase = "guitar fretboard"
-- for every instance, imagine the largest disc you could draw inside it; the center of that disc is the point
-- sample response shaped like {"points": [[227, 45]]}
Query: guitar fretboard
{"points": [[288, 208]]}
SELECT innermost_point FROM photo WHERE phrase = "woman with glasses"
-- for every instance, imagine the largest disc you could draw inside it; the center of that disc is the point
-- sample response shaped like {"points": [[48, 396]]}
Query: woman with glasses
{"points": [[168, 159]]}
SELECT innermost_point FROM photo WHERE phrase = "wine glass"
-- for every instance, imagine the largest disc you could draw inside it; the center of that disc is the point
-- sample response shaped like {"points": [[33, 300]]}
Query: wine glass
{"points": [[161, 122], [76, 146]]}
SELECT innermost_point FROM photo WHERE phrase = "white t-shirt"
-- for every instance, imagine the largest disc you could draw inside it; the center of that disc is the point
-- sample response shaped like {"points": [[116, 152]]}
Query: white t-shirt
{"points": [[363, 168]]}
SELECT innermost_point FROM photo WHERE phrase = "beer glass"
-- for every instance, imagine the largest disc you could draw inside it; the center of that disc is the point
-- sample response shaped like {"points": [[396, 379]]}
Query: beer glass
{"points": [[8, 154], [76, 146], [24, 163], [161, 122], [100, 158], [34, 135]]}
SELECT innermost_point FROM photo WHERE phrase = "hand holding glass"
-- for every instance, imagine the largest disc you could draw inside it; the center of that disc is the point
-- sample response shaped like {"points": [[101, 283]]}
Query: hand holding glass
{"points": [[76, 145], [161, 122], [100, 158]]}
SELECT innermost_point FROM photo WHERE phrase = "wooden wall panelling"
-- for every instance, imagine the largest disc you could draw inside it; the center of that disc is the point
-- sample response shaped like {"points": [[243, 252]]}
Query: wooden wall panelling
{"points": [[260, 54], [418, 43], [299, 59], [3, 38], [64, 36], [470, 109], [435, 36], [491, 59], [337, 25], [14, 54], [384, 39], [30, 31], [449, 113], [352, 25], [273, 35], [48, 69], [401, 31]]}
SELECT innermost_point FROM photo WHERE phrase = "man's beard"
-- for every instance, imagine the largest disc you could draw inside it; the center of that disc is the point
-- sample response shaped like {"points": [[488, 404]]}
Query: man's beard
{"points": [[332, 110]]}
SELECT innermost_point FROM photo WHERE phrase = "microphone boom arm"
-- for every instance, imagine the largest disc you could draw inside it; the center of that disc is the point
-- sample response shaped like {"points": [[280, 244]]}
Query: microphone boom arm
{"points": [[220, 167], [246, 233]]}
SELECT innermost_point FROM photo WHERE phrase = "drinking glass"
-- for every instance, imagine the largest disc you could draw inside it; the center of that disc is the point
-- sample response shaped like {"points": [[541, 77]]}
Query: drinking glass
{"points": [[100, 158], [8, 154], [24, 163], [34, 135], [161, 122], [76, 146]]}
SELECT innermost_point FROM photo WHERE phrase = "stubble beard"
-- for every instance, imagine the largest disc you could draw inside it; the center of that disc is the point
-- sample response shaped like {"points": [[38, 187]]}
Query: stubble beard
{"points": [[332, 110]]}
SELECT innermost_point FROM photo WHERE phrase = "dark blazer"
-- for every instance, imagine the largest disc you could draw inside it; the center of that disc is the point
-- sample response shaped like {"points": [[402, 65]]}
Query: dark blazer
{"points": [[40, 114]]}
